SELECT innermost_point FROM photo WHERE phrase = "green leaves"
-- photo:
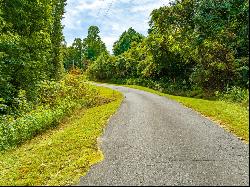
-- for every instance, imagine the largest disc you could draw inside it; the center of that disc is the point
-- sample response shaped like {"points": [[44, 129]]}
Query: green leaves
{"points": [[30, 45], [57, 38], [73, 55], [93, 44], [203, 34], [202, 43], [83, 52], [125, 41], [55, 100]]}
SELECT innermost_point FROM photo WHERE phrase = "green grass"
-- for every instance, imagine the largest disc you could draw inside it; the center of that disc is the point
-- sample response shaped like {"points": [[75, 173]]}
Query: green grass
{"points": [[231, 116], [62, 155]]}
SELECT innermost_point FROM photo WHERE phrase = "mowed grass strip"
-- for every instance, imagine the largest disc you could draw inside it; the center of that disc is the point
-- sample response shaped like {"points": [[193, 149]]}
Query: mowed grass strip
{"points": [[60, 156], [230, 116]]}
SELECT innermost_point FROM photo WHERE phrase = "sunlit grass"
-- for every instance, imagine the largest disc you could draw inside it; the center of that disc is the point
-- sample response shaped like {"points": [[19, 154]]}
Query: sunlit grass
{"points": [[230, 116], [60, 156]]}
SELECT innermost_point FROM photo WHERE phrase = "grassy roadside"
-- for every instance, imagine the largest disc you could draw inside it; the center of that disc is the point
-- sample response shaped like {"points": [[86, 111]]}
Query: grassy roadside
{"points": [[230, 116], [62, 155]]}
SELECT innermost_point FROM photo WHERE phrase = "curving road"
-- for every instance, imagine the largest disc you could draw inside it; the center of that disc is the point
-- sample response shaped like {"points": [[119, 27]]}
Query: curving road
{"points": [[152, 140]]}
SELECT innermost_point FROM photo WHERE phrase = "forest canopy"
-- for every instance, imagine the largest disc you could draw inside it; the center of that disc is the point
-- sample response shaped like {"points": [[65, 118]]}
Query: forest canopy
{"points": [[30, 45], [199, 46], [191, 45]]}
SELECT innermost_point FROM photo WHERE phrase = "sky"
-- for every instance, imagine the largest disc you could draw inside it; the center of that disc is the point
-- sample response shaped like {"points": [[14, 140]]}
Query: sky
{"points": [[112, 17]]}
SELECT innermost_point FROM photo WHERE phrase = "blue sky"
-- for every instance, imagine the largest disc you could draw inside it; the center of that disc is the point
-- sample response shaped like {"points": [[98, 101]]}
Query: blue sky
{"points": [[111, 16]]}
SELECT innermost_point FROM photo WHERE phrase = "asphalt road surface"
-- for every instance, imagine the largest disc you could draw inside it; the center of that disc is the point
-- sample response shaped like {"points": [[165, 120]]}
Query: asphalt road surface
{"points": [[152, 140]]}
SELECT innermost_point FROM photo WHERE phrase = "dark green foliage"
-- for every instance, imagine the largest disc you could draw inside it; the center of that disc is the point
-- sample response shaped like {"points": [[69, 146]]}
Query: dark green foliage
{"points": [[55, 101], [73, 55], [57, 38], [222, 42], [234, 94], [93, 44], [209, 35], [125, 41], [101, 69], [82, 52], [194, 48], [121, 66], [30, 45], [25, 44]]}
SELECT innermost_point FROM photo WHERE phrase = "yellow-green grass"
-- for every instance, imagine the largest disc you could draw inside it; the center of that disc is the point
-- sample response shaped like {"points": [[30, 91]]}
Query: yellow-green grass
{"points": [[60, 156], [231, 116]]}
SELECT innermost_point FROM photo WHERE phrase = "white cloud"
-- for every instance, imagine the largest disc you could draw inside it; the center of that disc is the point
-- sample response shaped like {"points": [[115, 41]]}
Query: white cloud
{"points": [[94, 5], [146, 8], [109, 41], [112, 17], [70, 19]]}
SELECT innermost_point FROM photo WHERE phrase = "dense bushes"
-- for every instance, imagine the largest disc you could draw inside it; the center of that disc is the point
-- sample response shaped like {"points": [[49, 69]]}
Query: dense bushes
{"points": [[194, 48], [55, 100], [125, 41], [30, 46], [83, 51], [234, 94], [102, 68]]}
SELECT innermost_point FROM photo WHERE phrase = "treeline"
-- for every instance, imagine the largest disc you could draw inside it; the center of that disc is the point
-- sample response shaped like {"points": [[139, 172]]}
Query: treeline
{"points": [[35, 93], [199, 46], [84, 51], [30, 48]]}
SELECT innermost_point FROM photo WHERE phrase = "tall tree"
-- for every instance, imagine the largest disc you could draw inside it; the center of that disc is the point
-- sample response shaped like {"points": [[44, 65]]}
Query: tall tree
{"points": [[93, 44], [30, 44], [74, 55], [211, 33], [25, 40], [57, 38], [78, 56], [125, 41]]}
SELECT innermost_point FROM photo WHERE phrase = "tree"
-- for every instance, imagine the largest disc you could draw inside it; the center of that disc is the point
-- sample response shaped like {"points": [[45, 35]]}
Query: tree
{"points": [[169, 40], [25, 40], [57, 38], [125, 41], [222, 41], [74, 55], [78, 46], [209, 36], [93, 45], [30, 45], [200, 43]]}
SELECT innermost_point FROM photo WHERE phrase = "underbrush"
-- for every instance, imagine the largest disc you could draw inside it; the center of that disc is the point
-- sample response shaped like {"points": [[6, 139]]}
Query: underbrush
{"points": [[60, 156], [233, 94], [54, 101]]}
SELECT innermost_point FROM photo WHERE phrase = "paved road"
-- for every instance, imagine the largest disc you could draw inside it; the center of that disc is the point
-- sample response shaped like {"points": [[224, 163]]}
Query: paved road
{"points": [[152, 140]]}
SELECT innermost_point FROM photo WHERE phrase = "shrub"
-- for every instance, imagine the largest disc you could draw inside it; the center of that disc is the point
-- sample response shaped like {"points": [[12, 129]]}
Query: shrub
{"points": [[3, 106], [55, 101], [234, 94], [101, 69]]}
